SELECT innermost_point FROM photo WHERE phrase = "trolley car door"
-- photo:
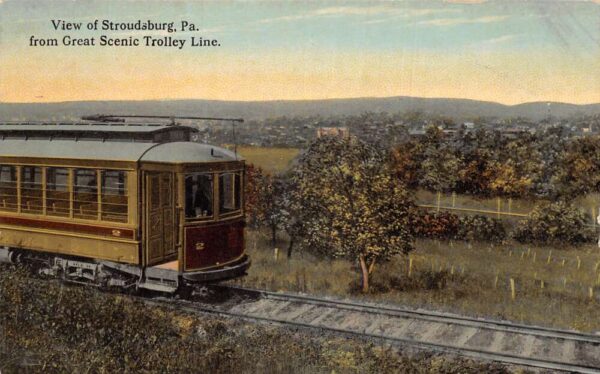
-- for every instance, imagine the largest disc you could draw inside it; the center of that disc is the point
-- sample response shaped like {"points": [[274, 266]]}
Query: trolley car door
{"points": [[160, 217]]}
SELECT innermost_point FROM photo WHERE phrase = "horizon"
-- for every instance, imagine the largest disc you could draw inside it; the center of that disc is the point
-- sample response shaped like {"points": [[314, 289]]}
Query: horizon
{"points": [[305, 100], [504, 52]]}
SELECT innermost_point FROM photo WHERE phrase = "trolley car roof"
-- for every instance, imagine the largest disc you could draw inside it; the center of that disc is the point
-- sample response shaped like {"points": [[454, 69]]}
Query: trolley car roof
{"points": [[89, 127], [173, 152]]}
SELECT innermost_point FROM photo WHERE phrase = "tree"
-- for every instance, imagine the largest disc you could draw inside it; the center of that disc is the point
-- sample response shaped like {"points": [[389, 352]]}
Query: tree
{"points": [[578, 171], [518, 165], [351, 206], [477, 150], [439, 169], [406, 163], [271, 204], [252, 187]]}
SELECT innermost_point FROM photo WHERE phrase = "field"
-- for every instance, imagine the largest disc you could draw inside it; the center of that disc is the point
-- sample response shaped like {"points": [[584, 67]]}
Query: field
{"points": [[473, 279], [273, 160]]}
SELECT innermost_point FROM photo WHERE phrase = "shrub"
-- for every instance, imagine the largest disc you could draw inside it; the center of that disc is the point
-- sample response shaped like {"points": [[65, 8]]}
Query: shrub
{"points": [[480, 228], [553, 222], [441, 225]]}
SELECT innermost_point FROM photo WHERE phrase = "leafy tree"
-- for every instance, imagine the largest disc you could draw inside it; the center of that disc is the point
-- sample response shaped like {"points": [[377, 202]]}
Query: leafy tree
{"points": [[406, 163], [439, 168], [252, 187], [352, 207], [292, 223], [271, 204], [549, 145], [477, 151], [517, 166], [578, 170]]}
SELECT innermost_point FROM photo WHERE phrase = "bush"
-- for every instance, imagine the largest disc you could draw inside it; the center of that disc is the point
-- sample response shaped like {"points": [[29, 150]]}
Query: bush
{"points": [[480, 228], [441, 225], [556, 222]]}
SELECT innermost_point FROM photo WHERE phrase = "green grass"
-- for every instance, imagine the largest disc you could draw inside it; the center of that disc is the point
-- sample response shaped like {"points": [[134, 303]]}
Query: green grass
{"points": [[432, 284]]}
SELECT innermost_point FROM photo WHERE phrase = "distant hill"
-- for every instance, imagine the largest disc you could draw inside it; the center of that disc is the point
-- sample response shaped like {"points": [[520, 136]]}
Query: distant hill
{"points": [[459, 109]]}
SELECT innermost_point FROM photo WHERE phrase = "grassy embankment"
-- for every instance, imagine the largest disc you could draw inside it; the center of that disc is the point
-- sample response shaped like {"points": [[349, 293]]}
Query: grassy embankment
{"points": [[47, 327], [473, 279]]}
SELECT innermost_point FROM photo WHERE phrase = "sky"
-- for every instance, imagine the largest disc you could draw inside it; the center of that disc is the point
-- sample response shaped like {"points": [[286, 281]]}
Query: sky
{"points": [[503, 51]]}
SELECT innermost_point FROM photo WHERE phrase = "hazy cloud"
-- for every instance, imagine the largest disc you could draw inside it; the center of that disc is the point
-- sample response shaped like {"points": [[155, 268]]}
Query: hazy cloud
{"points": [[375, 10], [501, 39], [461, 21]]}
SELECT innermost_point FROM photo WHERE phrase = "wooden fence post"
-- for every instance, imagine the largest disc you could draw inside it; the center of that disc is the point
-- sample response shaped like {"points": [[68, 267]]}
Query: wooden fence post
{"points": [[578, 263], [410, 266], [499, 203], [276, 253], [453, 199], [513, 293], [439, 200], [549, 257]]}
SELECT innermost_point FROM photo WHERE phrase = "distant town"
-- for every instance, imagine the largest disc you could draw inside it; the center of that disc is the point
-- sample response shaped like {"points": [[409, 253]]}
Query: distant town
{"points": [[380, 128]]}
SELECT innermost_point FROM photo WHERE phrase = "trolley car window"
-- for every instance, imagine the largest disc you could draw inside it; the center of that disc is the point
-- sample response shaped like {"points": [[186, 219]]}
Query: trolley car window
{"points": [[57, 192], [31, 189], [229, 192], [8, 187], [85, 194], [114, 195], [198, 195]]}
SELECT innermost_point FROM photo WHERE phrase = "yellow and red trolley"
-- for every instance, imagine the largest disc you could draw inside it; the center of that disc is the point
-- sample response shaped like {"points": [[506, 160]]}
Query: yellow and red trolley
{"points": [[122, 204]]}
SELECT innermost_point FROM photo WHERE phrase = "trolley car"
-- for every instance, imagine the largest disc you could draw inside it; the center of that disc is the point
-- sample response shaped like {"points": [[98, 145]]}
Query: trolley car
{"points": [[121, 204]]}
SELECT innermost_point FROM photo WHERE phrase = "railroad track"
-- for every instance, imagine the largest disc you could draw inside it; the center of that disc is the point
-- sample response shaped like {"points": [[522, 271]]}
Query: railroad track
{"points": [[485, 339]]}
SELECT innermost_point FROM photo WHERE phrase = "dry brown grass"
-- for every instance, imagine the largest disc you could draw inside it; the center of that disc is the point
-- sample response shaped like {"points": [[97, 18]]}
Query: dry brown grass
{"points": [[463, 277]]}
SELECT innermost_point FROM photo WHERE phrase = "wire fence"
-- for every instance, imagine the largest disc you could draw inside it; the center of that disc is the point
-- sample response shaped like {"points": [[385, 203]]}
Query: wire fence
{"points": [[498, 207]]}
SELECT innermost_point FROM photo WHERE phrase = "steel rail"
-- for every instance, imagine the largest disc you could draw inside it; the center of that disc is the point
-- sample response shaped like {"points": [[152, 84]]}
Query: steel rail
{"points": [[432, 316], [195, 307]]}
